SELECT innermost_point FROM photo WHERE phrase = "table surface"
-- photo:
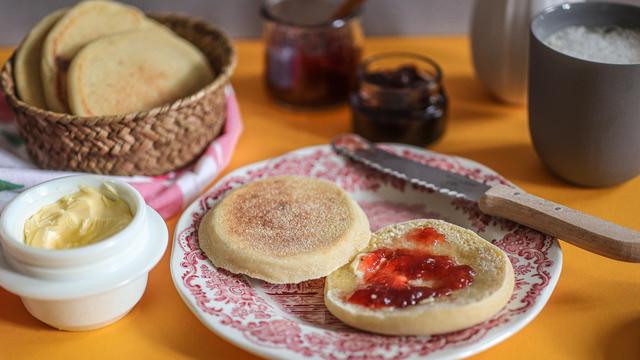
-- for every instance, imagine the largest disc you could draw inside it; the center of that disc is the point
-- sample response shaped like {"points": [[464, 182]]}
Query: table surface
{"points": [[593, 313]]}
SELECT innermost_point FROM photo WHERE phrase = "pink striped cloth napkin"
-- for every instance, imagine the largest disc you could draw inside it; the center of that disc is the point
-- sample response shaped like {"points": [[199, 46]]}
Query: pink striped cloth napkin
{"points": [[167, 194]]}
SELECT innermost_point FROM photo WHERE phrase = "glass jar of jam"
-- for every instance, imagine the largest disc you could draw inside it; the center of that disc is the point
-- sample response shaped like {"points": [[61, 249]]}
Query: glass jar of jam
{"points": [[310, 58], [399, 98]]}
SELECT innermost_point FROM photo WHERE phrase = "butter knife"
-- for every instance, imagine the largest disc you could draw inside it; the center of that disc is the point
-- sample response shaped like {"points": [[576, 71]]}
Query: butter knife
{"points": [[585, 231]]}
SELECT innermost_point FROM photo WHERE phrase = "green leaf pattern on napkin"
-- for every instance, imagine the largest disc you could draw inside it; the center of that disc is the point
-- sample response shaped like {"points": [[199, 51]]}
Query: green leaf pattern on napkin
{"points": [[13, 138], [8, 186]]}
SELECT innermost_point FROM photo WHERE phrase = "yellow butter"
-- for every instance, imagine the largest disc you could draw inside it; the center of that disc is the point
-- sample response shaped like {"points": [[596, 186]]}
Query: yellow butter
{"points": [[79, 219]]}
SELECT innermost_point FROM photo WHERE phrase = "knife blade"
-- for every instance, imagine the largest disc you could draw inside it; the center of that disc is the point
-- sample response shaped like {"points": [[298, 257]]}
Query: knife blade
{"points": [[361, 150], [580, 229]]}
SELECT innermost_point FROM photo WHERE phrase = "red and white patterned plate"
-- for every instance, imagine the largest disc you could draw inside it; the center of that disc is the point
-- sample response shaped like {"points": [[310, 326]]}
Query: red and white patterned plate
{"points": [[291, 321]]}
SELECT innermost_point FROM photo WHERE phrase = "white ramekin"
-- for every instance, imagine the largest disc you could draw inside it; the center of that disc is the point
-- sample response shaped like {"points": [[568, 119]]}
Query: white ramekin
{"points": [[87, 287]]}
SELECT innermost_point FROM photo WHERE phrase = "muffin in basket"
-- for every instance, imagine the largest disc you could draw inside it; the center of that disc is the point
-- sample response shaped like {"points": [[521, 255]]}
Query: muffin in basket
{"points": [[152, 141]]}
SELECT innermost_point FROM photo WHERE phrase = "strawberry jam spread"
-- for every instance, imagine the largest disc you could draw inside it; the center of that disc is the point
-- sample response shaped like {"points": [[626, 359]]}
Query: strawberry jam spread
{"points": [[403, 277], [426, 236]]}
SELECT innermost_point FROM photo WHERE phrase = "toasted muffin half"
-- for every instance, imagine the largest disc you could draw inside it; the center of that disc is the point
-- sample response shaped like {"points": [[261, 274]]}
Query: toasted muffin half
{"points": [[421, 277], [284, 229]]}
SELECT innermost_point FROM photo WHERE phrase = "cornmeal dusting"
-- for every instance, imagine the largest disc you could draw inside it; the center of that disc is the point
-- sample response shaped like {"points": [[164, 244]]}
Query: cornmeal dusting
{"points": [[285, 216]]}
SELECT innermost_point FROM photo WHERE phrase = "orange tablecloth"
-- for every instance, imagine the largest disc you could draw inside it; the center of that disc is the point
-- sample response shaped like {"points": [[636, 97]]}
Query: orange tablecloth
{"points": [[593, 313]]}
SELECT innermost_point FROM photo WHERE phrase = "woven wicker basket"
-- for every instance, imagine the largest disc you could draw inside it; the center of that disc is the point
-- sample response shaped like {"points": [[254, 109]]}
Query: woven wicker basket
{"points": [[145, 143]]}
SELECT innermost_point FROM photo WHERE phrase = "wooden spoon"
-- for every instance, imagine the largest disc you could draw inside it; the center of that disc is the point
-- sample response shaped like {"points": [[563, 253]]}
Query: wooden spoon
{"points": [[347, 7]]}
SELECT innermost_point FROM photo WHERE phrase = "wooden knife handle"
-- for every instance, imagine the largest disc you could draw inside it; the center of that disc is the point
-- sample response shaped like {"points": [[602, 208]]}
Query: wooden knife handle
{"points": [[577, 228]]}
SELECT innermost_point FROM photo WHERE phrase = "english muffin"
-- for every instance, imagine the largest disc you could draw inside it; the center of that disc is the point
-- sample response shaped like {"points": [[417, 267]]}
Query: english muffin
{"points": [[83, 23], [284, 229], [421, 277], [28, 61], [135, 71]]}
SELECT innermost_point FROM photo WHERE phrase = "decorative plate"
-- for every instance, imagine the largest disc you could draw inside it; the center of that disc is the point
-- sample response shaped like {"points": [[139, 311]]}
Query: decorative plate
{"points": [[291, 321]]}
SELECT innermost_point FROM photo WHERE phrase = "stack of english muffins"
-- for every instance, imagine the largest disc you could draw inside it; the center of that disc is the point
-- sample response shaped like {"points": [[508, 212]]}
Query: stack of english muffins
{"points": [[101, 87], [106, 58], [415, 278]]}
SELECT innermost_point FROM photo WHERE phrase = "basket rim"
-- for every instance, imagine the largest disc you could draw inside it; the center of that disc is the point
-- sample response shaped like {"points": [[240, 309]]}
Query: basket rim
{"points": [[221, 80]]}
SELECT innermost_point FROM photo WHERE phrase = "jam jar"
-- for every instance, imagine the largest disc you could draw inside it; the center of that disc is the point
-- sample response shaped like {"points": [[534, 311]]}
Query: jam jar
{"points": [[310, 58], [399, 98]]}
